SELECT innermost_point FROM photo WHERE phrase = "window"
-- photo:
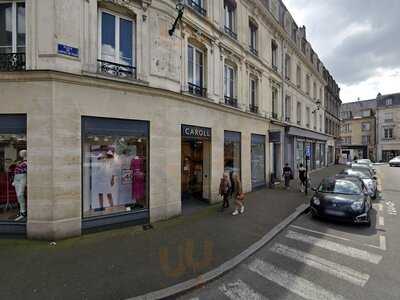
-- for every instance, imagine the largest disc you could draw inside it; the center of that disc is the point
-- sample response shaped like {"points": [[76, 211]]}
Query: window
{"points": [[230, 85], [346, 128], [229, 11], [253, 37], [308, 116], [320, 94], [365, 126], [315, 90], [366, 113], [257, 160], [116, 40], [274, 49], [253, 95], [13, 168], [388, 116], [366, 139], [298, 77], [320, 123], [389, 101], [115, 166], [288, 108], [298, 113], [12, 27], [196, 71], [198, 6], [315, 120], [232, 152], [388, 133], [308, 84], [288, 68], [274, 103]]}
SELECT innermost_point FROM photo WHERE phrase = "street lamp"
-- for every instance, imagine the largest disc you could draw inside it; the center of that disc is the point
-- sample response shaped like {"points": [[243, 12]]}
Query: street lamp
{"points": [[180, 7], [318, 106]]}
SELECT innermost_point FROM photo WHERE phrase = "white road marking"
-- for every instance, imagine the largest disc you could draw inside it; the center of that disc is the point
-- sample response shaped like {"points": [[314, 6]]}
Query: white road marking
{"points": [[322, 233], [332, 246], [382, 243], [340, 271], [381, 221], [293, 283], [239, 290]]}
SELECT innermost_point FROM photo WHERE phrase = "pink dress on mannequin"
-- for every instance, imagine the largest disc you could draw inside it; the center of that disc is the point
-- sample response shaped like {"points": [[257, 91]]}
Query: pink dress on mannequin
{"points": [[138, 182]]}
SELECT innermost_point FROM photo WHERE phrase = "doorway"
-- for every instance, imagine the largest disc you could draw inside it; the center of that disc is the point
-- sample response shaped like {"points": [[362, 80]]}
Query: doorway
{"points": [[195, 173]]}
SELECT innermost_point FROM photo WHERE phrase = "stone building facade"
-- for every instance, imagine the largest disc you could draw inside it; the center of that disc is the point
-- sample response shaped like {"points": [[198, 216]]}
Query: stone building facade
{"points": [[332, 117], [388, 126], [125, 123]]}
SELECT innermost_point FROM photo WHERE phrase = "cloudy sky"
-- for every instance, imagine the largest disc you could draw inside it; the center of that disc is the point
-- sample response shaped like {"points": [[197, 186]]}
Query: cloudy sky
{"points": [[357, 40]]}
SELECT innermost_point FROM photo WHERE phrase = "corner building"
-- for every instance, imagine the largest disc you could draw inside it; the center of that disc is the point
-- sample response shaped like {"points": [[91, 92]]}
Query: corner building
{"points": [[125, 124]]}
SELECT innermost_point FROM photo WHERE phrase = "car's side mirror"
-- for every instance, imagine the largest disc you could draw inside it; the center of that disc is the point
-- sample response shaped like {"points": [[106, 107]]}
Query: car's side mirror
{"points": [[314, 189], [375, 177]]}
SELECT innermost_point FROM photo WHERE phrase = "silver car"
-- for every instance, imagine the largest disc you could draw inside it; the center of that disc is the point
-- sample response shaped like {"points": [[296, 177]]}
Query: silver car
{"points": [[369, 180], [395, 162]]}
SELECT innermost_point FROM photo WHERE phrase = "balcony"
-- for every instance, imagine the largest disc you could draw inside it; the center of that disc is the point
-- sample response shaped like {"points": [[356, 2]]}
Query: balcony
{"points": [[231, 101], [230, 32], [192, 4], [253, 50], [253, 108], [116, 70], [287, 119], [274, 115], [10, 62], [197, 90]]}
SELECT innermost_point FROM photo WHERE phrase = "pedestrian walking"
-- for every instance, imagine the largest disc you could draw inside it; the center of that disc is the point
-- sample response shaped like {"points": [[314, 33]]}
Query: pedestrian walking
{"points": [[287, 175], [238, 195], [302, 178], [225, 190]]}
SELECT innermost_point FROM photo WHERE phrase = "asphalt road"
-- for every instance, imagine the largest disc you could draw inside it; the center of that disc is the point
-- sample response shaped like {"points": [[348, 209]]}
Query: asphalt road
{"points": [[316, 259]]}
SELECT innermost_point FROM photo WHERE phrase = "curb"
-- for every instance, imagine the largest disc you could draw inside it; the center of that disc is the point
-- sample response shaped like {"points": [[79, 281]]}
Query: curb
{"points": [[226, 266]]}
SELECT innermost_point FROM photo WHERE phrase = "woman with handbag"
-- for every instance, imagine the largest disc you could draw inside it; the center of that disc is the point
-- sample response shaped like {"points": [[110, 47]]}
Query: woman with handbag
{"points": [[287, 175], [238, 195], [224, 190]]}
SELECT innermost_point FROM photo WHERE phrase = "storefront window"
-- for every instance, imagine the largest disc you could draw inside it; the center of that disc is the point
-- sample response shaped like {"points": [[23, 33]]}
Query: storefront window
{"points": [[115, 175], [257, 160], [13, 168], [232, 145], [300, 153]]}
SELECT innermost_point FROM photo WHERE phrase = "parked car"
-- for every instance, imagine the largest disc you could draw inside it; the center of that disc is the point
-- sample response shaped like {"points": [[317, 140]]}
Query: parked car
{"points": [[367, 162], [344, 198], [364, 166], [369, 179], [395, 162]]}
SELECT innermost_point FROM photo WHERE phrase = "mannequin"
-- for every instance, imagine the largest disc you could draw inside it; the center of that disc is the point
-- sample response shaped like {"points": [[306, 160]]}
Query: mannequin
{"points": [[138, 182], [19, 184], [105, 178]]}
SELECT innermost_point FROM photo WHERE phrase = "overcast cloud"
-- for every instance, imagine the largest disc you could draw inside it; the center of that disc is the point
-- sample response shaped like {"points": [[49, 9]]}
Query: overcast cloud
{"points": [[357, 40]]}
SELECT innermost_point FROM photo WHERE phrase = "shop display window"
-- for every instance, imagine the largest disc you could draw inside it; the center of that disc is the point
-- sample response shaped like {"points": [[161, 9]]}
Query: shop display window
{"points": [[232, 152], [257, 160], [115, 169], [13, 168]]}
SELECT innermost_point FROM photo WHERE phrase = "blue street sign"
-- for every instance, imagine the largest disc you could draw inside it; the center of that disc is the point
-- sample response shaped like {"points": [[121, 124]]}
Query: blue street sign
{"points": [[68, 50], [308, 150]]}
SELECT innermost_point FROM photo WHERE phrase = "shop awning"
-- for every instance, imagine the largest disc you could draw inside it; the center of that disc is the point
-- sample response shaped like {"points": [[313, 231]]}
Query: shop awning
{"points": [[307, 134]]}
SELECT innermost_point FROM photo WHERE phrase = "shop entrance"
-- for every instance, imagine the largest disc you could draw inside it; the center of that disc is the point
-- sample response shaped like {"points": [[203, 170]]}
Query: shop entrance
{"points": [[196, 152]]}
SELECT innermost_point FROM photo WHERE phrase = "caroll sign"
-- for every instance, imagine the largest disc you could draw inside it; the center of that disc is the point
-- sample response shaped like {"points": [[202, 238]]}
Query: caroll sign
{"points": [[196, 132]]}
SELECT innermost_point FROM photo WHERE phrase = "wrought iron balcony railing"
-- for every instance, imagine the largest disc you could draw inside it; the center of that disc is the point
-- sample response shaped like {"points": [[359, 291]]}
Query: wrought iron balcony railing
{"points": [[253, 108], [230, 32], [197, 90], [231, 101], [253, 50], [274, 115], [116, 70], [197, 7], [12, 62], [287, 119]]}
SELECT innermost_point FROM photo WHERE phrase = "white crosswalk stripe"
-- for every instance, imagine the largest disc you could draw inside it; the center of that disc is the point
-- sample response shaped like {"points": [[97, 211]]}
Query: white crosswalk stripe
{"points": [[239, 290], [293, 283], [322, 264], [332, 246]]}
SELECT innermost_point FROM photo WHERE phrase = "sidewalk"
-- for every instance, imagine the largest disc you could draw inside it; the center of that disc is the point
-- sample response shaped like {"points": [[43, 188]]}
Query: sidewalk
{"points": [[129, 262]]}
